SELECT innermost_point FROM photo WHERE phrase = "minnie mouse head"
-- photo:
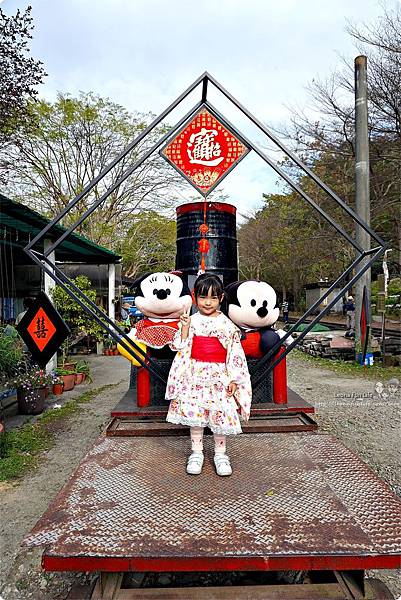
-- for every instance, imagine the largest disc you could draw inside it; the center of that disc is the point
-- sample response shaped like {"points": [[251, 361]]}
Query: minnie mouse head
{"points": [[161, 295]]}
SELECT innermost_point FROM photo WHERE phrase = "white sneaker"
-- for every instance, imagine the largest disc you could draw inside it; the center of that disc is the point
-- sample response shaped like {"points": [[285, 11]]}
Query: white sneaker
{"points": [[222, 464], [195, 464]]}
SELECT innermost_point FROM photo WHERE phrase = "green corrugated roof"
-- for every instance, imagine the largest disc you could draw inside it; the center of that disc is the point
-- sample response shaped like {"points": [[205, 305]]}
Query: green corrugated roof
{"points": [[17, 217]]}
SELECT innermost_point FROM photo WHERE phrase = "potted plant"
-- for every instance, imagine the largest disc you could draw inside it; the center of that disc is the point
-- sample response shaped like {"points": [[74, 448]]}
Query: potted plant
{"points": [[83, 369], [58, 385], [30, 387], [11, 351], [11, 360], [79, 378], [108, 347], [69, 365], [68, 378]]}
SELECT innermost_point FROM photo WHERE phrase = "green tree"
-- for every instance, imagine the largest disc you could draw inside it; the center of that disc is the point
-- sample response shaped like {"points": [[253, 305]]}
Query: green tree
{"points": [[77, 319], [286, 245], [149, 245], [19, 72], [327, 138], [73, 140], [289, 244]]}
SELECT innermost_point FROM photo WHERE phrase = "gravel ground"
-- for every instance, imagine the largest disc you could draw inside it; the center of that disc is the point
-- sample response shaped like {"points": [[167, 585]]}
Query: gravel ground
{"points": [[348, 407], [370, 425]]}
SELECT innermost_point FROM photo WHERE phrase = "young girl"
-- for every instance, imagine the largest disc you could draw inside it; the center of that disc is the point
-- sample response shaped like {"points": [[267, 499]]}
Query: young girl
{"points": [[209, 383]]}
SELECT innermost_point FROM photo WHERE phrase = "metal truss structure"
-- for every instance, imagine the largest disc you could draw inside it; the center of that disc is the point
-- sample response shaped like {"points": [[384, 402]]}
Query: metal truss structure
{"points": [[363, 261]]}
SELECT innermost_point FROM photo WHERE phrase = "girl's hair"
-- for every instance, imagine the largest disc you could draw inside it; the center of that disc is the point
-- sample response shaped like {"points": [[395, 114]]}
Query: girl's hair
{"points": [[207, 281]]}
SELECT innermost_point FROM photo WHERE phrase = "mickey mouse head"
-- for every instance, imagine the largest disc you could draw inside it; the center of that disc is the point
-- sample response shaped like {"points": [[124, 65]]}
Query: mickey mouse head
{"points": [[251, 304]]}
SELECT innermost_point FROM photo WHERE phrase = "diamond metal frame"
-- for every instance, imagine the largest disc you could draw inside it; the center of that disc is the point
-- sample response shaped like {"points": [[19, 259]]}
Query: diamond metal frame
{"points": [[42, 259]]}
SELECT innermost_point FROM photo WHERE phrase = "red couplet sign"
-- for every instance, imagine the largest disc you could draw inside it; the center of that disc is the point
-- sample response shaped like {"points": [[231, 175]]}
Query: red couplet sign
{"points": [[204, 151], [41, 329]]}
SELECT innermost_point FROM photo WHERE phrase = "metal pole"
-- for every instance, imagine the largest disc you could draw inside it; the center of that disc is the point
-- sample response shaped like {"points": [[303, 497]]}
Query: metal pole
{"points": [[361, 185], [50, 284], [112, 291]]}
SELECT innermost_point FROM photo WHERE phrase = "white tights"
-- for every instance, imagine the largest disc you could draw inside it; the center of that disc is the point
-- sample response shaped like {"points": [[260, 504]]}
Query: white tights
{"points": [[197, 441]]}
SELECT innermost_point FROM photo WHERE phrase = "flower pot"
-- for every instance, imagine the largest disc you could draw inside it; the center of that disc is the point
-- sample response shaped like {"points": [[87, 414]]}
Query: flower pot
{"points": [[30, 402], [58, 389], [116, 352], [109, 352], [79, 377], [69, 382], [47, 391], [70, 366]]}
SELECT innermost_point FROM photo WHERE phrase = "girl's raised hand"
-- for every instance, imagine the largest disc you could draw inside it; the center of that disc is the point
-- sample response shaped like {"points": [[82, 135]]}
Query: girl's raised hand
{"points": [[185, 319], [231, 389]]}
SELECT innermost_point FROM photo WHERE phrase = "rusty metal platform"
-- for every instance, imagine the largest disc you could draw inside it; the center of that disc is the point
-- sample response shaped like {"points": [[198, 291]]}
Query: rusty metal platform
{"points": [[294, 501], [127, 407]]}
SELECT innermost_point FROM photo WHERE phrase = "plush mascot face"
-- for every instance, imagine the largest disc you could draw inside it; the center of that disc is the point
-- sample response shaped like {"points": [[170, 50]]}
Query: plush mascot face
{"points": [[251, 304], [162, 295]]}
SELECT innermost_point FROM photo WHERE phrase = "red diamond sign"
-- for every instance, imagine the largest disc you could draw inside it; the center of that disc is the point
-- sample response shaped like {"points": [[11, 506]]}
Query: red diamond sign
{"points": [[204, 151], [41, 329]]}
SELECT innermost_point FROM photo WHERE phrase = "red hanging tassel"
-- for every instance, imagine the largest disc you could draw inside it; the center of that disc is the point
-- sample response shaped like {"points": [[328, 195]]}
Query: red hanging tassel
{"points": [[203, 246], [203, 243]]}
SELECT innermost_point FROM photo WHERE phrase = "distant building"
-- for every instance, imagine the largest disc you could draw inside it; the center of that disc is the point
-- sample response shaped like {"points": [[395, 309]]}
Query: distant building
{"points": [[314, 291], [20, 277]]}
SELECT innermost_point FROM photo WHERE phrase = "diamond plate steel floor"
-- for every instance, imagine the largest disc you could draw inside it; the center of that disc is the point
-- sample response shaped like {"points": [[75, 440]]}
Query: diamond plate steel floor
{"points": [[295, 500]]}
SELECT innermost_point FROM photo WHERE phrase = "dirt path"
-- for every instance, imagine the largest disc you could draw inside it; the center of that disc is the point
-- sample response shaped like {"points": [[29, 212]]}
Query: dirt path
{"points": [[346, 406], [22, 504]]}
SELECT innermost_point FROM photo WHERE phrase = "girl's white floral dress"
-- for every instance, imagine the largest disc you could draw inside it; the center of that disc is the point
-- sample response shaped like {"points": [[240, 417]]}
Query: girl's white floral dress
{"points": [[197, 390]]}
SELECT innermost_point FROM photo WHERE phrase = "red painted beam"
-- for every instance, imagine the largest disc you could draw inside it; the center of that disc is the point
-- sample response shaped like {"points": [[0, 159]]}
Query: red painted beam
{"points": [[280, 380], [143, 387], [252, 563]]}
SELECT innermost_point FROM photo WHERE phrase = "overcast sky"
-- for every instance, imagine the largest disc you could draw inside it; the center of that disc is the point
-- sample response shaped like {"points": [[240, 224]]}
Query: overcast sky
{"points": [[144, 53]]}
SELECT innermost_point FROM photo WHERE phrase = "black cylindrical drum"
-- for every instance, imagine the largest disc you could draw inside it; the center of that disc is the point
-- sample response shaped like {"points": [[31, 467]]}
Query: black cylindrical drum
{"points": [[222, 236]]}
